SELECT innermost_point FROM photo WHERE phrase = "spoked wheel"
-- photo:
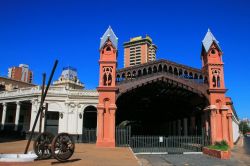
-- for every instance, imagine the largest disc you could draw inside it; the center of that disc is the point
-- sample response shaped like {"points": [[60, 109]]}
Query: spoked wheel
{"points": [[62, 147], [42, 145]]}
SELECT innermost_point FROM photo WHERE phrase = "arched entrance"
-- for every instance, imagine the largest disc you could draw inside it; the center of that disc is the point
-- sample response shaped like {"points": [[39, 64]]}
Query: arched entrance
{"points": [[154, 107], [162, 109], [89, 124]]}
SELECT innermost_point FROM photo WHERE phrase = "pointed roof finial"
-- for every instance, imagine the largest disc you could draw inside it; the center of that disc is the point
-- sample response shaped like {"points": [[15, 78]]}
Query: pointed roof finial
{"points": [[109, 34], [208, 40]]}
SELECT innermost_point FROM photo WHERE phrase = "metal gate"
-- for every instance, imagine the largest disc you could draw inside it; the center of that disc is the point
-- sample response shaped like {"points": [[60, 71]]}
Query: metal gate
{"points": [[122, 136], [170, 144], [89, 135]]}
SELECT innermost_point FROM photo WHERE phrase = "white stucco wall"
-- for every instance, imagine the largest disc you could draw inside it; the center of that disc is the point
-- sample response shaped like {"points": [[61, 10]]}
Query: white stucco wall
{"points": [[236, 132]]}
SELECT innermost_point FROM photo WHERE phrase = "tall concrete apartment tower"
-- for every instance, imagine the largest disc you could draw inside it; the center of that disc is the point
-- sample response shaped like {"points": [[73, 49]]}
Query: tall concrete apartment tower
{"points": [[21, 73], [139, 50]]}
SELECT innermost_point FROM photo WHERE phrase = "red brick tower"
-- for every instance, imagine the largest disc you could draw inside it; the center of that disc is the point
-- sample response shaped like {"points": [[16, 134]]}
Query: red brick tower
{"points": [[213, 67], [107, 90]]}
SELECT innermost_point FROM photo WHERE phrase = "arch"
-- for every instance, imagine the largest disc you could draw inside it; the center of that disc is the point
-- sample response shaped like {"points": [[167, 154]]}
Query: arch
{"points": [[118, 78], [154, 69], [175, 71], [108, 48], [123, 76], [128, 75], [139, 73], [160, 68], [149, 70], [191, 75], [218, 81], [196, 76], [205, 80], [165, 68], [170, 69], [144, 72], [180, 72], [134, 74], [214, 81], [89, 117]]}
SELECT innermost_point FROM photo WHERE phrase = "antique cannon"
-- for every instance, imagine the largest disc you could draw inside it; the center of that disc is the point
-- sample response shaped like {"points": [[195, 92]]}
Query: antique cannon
{"points": [[46, 144], [60, 147]]}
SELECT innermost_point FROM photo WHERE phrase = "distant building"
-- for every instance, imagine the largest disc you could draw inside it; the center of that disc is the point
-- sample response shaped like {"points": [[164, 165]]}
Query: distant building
{"points": [[8, 84], [69, 79], [138, 51], [21, 73]]}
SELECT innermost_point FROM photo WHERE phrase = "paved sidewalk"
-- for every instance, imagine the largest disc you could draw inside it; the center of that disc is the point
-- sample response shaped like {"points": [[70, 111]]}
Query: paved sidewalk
{"points": [[85, 155]]}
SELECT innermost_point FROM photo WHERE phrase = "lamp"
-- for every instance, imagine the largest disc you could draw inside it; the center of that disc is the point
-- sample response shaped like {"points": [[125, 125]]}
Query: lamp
{"points": [[61, 115]]}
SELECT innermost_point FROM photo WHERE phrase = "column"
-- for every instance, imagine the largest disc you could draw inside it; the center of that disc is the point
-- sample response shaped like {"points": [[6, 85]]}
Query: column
{"points": [[17, 115], [4, 115], [169, 128], [192, 119], [230, 130], [185, 126], [179, 127], [224, 125], [174, 127], [112, 126], [34, 110], [67, 116], [100, 126], [213, 125]]}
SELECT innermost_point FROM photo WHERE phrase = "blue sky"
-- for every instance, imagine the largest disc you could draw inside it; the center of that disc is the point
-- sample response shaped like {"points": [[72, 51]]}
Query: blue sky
{"points": [[38, 32]]}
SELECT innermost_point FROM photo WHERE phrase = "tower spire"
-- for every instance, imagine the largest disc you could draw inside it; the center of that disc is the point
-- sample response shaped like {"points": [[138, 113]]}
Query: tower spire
{"points": [[208, 41], [109, 34]]}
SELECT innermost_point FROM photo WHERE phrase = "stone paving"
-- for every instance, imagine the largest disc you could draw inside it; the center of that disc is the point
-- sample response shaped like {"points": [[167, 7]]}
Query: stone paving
{"points": [[184, 160], [85, 155]]}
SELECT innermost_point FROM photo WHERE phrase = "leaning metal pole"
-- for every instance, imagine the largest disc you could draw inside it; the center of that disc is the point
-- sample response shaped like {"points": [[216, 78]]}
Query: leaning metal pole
{"points": [[43, 85], [41, 106]]}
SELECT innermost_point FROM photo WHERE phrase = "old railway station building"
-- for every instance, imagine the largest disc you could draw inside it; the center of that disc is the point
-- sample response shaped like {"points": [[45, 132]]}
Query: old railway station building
{"points": [[157, 98]]}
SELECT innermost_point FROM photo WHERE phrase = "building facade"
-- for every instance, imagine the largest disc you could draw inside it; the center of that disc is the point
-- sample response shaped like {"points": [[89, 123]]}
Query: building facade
{"points": [[21, 73], [139, 50], [67, 106]]}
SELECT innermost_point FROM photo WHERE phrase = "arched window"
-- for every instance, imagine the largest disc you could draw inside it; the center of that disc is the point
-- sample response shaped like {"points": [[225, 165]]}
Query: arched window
{"points": [[145, 72], [154, 69], [170, 70], [214, 81], [218, 81], [108, 48], [149, 70], [134, 74], [117, 78], [175, 71], [128, 75], [180, 72], [195, 76], [165, 68], [123, 76], [160, 68], [190, 75], [107, 77], [139, 73]]}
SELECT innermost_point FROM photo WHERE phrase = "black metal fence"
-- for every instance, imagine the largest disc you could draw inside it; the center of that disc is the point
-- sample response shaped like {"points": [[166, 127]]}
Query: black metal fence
{"points": [[123, 136], [89, 136], [170, 144]]}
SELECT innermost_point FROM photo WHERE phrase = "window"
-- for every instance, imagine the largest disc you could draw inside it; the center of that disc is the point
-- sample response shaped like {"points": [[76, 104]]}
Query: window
{"points": [[108, 49]]}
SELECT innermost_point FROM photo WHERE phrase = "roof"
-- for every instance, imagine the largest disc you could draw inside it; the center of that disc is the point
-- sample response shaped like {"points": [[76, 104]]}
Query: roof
{"points": [[109, 34], [208, 41]]}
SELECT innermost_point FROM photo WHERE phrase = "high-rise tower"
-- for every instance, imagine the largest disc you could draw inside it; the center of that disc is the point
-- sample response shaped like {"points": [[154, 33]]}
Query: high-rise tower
{"points": [[138, 51]]}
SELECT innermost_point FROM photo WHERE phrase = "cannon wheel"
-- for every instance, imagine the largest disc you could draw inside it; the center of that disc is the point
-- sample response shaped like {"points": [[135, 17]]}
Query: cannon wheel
{"points": [[62, 147], [42, 145]]}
